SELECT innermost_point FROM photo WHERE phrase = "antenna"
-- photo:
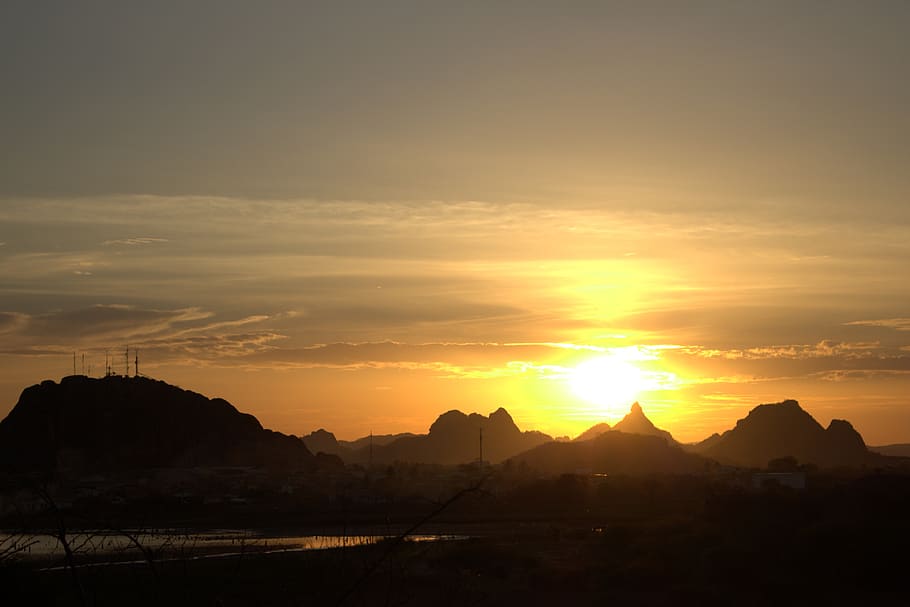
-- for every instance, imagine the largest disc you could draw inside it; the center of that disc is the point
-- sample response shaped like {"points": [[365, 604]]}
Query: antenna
{"points": [[83, 363], [136, 365]]}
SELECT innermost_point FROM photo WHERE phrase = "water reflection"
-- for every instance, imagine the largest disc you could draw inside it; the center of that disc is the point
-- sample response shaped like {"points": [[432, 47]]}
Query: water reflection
{"points": [[125, 547]]}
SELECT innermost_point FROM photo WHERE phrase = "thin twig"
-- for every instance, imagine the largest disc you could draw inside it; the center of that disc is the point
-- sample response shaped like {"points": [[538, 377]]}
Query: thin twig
{"points": [[399, 539]]}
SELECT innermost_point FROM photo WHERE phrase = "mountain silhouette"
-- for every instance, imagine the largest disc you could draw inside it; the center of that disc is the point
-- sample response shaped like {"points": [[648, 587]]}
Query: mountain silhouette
{"points": [[378, 440], [784, 429], [593, 432], [613, 453], [87, 425], [898, 450], [635, 422], [454, 438], [323, 441]]}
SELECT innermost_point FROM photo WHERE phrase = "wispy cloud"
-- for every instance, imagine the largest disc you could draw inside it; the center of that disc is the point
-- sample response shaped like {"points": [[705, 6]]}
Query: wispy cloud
{"points": [[100, 322], [12, 321], [822, 349], [132, 242], [843, 375], [898, 324]]}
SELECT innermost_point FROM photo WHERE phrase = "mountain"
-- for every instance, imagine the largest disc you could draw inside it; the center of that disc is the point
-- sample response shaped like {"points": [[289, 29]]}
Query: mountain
{"points": [[784, 429], [88, 425], [323, 441], [613, 453], [355, 451], [899, 450], [593, 432], [378, 440], [635, 422], [454, 438]]}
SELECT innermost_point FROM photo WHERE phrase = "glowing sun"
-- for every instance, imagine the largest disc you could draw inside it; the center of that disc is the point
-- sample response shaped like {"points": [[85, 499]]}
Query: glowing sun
{"points": [[610, 382]]}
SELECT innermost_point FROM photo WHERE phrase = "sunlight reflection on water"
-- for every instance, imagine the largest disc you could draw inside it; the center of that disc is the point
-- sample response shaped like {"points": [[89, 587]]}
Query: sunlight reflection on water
{"points": [[168, 544]]}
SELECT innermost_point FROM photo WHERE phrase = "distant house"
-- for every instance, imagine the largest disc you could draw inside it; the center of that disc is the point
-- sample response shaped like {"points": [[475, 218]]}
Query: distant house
{"points": [[794, 480]]}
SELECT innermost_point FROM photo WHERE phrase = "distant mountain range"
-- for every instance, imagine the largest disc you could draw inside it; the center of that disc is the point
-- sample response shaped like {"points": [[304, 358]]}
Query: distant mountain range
{"points": [[633, 446], [613, 453], [120, 423], [454, 438], [323, 441], [769, 432], [785, 429], [898, 450], [85, 424]]}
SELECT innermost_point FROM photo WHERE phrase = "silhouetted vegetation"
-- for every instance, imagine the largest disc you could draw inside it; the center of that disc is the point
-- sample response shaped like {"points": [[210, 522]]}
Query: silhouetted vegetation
{"points": [[636, 540]]}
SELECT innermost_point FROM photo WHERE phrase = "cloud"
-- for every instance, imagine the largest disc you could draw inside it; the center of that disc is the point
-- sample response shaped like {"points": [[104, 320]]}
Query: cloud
{"points": [[445, 360], [898, 324], [184, 334], [112, 322], [210, 348], [843, 375], [822, 349], [132, 242], [824, 361], [12, 321]]}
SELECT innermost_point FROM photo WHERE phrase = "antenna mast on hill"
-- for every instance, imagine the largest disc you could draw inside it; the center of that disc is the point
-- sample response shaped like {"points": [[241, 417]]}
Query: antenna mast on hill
{"points": [[83, 363], [126, 357], [136, 365]]}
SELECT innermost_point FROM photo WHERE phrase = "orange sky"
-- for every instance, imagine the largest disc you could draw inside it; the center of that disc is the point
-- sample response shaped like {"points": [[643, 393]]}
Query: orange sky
{"points": [[360, 218]]}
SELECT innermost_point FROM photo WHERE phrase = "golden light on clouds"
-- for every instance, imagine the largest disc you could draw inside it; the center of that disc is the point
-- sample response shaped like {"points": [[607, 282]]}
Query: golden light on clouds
{"points": [[519, 210]]}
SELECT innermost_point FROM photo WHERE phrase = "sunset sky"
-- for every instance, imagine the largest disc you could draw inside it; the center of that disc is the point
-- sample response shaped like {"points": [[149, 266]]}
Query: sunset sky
{"points": [[358, 215]]}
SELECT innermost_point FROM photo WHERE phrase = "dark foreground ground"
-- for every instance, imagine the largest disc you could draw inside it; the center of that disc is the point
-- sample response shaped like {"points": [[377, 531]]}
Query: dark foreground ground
{"points": [[632, 543]]}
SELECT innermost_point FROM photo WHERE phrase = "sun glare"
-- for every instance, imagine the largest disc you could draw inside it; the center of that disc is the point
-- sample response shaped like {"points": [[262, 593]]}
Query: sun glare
{"points": [[610, 382]]}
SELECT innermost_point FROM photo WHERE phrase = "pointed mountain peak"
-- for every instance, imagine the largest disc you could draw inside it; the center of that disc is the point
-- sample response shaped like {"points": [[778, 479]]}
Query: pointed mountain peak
{"points": [[636, 422], [501, 415]]}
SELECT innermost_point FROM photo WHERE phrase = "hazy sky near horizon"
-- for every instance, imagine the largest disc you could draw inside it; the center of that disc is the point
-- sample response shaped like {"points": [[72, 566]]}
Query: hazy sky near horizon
{"points": [[359, 215]]}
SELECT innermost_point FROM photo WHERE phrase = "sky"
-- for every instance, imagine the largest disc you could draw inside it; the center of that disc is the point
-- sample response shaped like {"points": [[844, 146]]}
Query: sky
{"points": [[359, 215]]}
